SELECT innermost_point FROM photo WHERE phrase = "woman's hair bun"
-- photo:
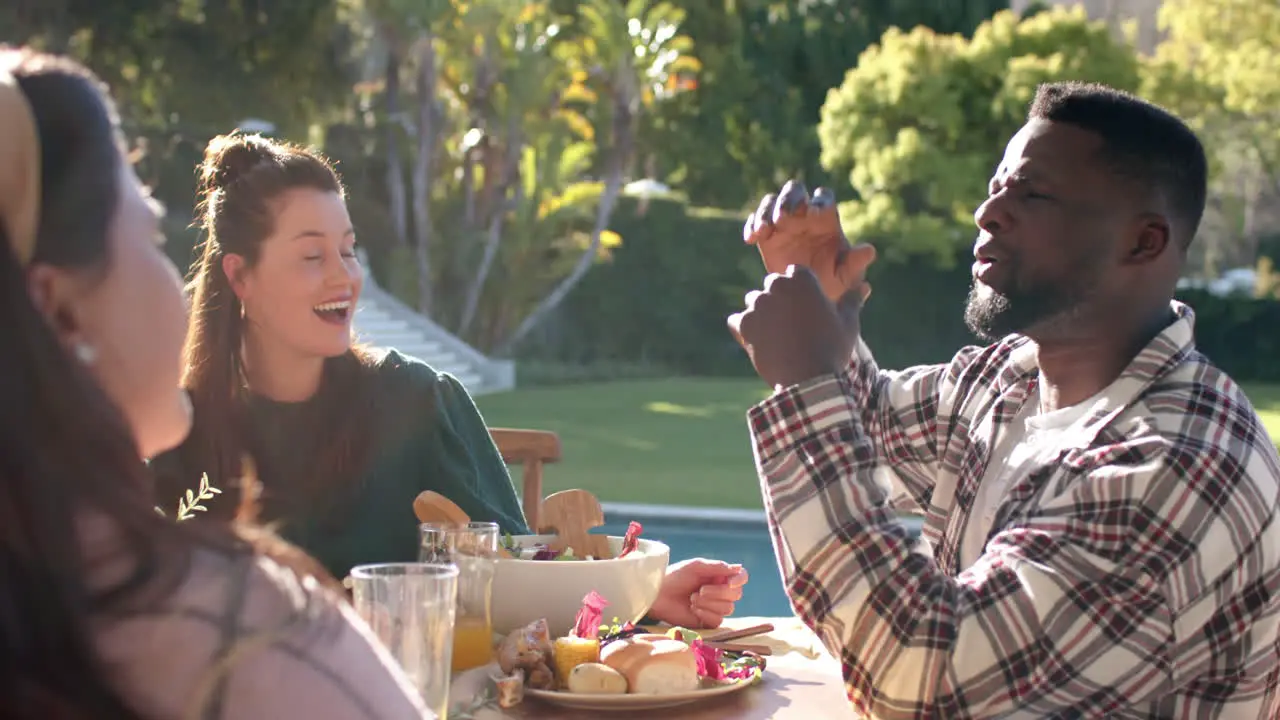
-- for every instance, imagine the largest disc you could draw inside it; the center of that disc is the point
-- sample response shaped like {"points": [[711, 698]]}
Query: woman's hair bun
{"points": [[227, 158]]}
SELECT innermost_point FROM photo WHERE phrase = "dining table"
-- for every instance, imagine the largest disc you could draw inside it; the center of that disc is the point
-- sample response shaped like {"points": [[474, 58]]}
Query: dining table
{"points": [[801, 680]]}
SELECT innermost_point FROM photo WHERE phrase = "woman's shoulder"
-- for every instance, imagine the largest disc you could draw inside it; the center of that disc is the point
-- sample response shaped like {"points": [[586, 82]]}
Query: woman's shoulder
{"points": [[255, 639], [399, 372]]}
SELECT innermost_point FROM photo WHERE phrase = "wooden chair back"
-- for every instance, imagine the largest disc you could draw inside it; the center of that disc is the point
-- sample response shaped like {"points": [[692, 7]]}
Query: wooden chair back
{"points": [[531, 449]]}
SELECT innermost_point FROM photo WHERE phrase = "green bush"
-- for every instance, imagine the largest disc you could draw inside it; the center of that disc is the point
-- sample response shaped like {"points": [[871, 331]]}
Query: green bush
{"points": [[662, 298], [658, 305], [660, 301], [916, 312], [1239, 334]]}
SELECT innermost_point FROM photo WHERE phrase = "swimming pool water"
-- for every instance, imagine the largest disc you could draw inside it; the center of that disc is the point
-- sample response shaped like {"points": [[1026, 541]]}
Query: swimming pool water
{"points": [[745, 542]]}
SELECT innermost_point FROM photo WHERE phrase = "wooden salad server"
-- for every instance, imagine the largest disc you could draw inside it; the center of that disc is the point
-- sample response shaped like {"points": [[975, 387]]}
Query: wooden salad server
{"points": [[432, 507], [572, 514]]}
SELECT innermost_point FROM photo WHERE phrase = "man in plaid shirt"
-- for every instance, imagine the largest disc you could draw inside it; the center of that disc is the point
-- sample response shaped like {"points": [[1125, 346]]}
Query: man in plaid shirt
{"points": [[1100, 501]]}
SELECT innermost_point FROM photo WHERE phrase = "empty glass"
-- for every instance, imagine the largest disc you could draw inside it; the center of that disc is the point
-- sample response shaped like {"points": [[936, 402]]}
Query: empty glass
{"points": [[411, 608], [473, 548]]}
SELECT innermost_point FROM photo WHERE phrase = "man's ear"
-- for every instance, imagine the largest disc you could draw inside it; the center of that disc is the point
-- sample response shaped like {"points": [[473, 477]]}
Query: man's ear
{"points": [[1150, 241], [235, 268], [53, 292]]}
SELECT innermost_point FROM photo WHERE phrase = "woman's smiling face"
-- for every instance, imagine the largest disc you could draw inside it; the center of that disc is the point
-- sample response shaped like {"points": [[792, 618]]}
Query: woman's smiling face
{"points": [[301, 294]]}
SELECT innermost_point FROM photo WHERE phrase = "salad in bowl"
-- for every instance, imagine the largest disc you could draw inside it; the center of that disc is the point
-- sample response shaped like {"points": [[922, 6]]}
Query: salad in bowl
{"points": [[538, 582]]}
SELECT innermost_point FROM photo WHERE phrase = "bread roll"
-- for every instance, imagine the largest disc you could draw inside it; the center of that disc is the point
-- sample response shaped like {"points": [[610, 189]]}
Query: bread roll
{"points": [[597, 679], [653, 664]]}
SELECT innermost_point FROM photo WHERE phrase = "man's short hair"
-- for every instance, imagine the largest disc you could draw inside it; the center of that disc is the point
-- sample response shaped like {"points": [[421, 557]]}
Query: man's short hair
{"points": [[1140, 140]]}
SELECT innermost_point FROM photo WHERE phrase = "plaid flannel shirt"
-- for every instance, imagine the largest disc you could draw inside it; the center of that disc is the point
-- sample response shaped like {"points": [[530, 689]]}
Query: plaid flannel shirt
{"points": [[1135, 576]]}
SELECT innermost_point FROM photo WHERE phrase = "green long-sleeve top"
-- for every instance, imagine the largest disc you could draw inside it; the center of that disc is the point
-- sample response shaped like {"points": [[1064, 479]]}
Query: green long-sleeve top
{"points": [[429, 435]]}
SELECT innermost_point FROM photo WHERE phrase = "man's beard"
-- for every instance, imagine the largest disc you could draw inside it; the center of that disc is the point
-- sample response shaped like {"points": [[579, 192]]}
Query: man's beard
{"points": [[991, 315]]}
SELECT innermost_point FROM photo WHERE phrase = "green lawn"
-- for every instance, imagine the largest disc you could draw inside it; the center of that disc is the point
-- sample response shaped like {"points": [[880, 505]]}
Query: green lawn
{"points": [[1266, 399], [671, 442]]}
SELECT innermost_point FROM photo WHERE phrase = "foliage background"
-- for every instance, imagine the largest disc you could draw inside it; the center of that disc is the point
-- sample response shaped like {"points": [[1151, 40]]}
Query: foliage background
{"points": [[525, 118]]}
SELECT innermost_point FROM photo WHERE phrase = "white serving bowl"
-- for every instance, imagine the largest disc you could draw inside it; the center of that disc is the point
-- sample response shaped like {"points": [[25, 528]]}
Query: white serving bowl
{"points": [[525, 590]]}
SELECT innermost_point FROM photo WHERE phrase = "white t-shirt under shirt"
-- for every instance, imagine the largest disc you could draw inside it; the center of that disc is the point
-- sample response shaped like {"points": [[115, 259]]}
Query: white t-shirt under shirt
{"points": [[1030, 440]]}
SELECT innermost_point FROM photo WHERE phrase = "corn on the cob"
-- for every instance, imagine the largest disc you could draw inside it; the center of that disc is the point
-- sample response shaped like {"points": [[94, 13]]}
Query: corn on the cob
{"points": [[570, 652]]}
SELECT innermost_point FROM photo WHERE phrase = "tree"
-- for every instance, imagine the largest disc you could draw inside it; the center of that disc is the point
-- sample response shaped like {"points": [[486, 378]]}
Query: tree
{"points": [[634, 57], [200, 65], [523, 132], [1219, 68], [1233, 48], [182, 72], [914, 130], [552, 219], [408, 32], [767, 65]]}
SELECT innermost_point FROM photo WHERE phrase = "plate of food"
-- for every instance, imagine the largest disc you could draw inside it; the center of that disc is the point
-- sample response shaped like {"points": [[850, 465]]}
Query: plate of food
{"points": [[619, 667]]}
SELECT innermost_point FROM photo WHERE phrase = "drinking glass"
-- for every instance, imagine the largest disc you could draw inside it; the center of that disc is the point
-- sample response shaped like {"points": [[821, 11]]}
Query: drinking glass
{"points": [[411, 608], [473, 548]]}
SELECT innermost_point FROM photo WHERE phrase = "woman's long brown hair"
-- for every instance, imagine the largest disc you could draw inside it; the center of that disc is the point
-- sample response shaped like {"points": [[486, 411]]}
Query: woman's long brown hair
{"points": [[240, 178], [66, 452]]}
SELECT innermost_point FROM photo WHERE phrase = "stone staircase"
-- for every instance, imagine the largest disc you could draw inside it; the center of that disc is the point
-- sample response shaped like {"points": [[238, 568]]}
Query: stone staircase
{"points": [[384, 321]]}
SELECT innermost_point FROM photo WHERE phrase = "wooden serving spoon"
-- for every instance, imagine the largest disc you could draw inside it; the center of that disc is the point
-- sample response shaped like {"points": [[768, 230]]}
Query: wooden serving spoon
{"points": [[572, 513], [432, 507]]}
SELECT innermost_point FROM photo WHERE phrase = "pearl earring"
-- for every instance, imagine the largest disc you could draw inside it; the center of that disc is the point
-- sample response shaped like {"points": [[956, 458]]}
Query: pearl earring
{"points": [[85, 352]]}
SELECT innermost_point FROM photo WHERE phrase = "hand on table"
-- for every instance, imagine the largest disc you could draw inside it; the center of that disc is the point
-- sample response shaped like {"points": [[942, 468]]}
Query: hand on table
{"points": [[698, 593], [792, 228]]}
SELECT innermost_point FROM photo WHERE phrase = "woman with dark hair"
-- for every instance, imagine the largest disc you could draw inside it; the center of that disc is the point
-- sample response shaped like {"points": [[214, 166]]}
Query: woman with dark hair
{"points": [[108, 609], [341, 438]]}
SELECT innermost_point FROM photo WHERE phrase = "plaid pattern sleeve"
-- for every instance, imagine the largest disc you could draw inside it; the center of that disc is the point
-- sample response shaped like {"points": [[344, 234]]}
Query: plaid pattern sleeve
{"points": [[1137, 576], [905, 412]]}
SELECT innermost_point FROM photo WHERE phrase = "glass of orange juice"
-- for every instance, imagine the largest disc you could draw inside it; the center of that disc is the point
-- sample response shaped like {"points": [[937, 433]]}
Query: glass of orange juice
{"points": [[474, 549]]}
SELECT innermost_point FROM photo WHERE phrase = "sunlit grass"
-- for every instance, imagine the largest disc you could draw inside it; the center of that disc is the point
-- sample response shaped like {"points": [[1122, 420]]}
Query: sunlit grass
{"points": [[674, 441], [1266, 400]]}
